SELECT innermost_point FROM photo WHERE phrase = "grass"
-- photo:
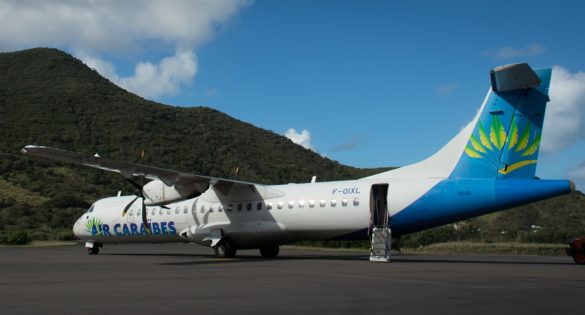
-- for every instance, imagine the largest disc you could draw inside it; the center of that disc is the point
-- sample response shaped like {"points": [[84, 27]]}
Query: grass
{"points": [[492, 248]]}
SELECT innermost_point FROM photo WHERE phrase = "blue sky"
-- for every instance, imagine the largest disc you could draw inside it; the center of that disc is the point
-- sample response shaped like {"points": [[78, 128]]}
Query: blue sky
{"points": [[373, 83]]}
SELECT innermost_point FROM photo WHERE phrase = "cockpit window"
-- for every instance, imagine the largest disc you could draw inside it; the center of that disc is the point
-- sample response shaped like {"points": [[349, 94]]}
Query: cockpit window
{"points": [[90, 209]]}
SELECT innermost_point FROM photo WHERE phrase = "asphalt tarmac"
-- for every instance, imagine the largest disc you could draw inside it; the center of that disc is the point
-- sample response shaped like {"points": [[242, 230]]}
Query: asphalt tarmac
{"points": [[165, 279]]}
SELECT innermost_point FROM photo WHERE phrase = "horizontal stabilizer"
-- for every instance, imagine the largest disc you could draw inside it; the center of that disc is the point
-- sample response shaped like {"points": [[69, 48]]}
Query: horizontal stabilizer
{"points": [[513, 77]]}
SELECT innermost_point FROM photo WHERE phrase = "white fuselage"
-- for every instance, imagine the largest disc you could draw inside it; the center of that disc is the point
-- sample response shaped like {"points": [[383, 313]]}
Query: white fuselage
{"points": [[279, 214]]}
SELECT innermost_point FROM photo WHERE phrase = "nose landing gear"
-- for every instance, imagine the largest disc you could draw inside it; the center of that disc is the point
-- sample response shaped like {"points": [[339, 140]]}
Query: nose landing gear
{"points": [[93, 248]]}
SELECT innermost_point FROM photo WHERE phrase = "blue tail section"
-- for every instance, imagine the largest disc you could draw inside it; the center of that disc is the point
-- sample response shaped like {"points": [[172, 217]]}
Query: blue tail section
{"points": [[459, 199], [506, 139], [491, 163]]}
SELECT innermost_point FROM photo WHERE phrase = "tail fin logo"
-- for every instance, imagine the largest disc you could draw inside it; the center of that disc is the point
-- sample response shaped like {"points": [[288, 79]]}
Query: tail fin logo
{"points": [[487, 144]]}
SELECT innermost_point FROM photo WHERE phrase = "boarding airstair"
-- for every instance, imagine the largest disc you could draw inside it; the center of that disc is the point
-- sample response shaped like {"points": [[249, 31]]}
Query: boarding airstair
{"points": [[381, 244]]}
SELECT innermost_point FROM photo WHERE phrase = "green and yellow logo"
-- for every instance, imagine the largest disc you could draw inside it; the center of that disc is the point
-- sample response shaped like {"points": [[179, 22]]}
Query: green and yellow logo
{"points": [[520, 150], [94, 226]]}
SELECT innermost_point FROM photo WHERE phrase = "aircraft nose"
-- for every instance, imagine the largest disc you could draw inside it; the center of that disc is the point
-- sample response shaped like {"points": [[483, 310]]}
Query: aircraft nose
{"points": [[78, 228]]}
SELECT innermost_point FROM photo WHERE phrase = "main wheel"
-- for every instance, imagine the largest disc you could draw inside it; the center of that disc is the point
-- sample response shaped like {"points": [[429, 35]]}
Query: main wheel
{"points": [[93, 250], [224, 250], [579, 258], [269, 251]]}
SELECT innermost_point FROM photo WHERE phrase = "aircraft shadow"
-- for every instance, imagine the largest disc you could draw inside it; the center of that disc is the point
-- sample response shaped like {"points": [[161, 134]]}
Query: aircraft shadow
{"points": [[207, 259]]}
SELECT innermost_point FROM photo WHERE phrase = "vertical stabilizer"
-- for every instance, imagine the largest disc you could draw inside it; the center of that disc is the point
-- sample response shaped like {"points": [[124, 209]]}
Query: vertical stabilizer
{"points": [[505, 141]]}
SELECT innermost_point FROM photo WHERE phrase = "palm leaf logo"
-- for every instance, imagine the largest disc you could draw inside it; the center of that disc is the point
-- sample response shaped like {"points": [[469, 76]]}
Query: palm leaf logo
{"points": [[520, 148], [93, 224], [533, 147], [513, 135], [524, 139], [483, 137], [497, 133]]}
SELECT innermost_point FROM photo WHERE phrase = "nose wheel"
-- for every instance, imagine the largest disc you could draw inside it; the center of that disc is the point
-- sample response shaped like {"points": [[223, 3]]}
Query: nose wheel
{"points": [[93, 248]]}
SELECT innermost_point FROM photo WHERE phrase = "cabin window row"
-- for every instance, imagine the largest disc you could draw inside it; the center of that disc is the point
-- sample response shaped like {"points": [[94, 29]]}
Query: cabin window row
{"points": [[161, 211], [258, 206]]}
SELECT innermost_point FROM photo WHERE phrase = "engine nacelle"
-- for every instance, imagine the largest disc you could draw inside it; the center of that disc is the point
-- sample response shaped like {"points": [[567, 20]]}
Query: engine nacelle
{"points": [[157, 193]]}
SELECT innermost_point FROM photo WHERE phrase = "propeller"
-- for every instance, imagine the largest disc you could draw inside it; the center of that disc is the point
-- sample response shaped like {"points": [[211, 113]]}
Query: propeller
{"points": [[139, 194]]}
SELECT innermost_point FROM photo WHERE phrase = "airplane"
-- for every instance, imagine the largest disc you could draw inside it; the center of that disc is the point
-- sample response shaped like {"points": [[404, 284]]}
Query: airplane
{"points": [[488, 166]]}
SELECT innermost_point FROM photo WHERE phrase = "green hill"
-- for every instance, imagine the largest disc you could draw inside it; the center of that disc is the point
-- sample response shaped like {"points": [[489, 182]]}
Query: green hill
{"points": [[48, 97]]}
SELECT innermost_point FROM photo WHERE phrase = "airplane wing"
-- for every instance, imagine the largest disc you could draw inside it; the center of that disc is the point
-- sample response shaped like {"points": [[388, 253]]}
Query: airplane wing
{"points": [[198, 183]]}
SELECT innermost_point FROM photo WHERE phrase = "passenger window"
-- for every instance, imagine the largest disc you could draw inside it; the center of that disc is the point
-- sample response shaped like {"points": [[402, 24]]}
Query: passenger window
{"points": [[280, 204], [269, 206], [322, 203], [239, 207], [153, 211], [230, 207], [344, 202], [259, 206], [202, 208], [301, 204], [130, 213], [356, 201], [220, 208], [211, 208], [185, 209], [249, 206], [169, 211], [177, 210], [291, 204], [333, 202], [311, 203]]}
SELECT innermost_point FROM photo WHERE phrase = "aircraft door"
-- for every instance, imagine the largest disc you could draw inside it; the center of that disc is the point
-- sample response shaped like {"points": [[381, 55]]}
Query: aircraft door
{"points": [[379, 205]]}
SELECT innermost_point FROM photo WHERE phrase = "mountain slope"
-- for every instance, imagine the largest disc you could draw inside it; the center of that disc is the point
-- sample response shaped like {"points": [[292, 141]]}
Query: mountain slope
{"points": [[48, 97]]}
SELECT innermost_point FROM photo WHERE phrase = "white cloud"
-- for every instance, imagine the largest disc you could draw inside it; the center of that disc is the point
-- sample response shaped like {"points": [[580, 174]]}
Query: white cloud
{"points": [[111, 25], [563, 122], [302, 138], [151, 80], [92, 29], [513, 52], [577, 174], [354, 142]]}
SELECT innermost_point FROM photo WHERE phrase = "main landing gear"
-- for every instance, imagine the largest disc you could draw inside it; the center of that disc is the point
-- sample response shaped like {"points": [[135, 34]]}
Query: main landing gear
{"points": [[93, 248], [225, 249], [269, 251]]}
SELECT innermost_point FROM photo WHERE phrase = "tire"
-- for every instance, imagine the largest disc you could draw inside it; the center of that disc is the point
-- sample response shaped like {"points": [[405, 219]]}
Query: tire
{"points": [[579, 258], [269, 251], [93, 251], [224, 250]]}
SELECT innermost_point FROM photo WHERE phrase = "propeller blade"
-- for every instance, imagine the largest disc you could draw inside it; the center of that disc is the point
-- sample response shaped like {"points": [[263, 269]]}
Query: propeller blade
{"points": [[144, 219], [137, 185], [129, 205]]}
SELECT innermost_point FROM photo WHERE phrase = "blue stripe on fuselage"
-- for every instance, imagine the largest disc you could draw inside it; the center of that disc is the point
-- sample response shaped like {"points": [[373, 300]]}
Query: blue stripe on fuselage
{"points": [[457, 199]]}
